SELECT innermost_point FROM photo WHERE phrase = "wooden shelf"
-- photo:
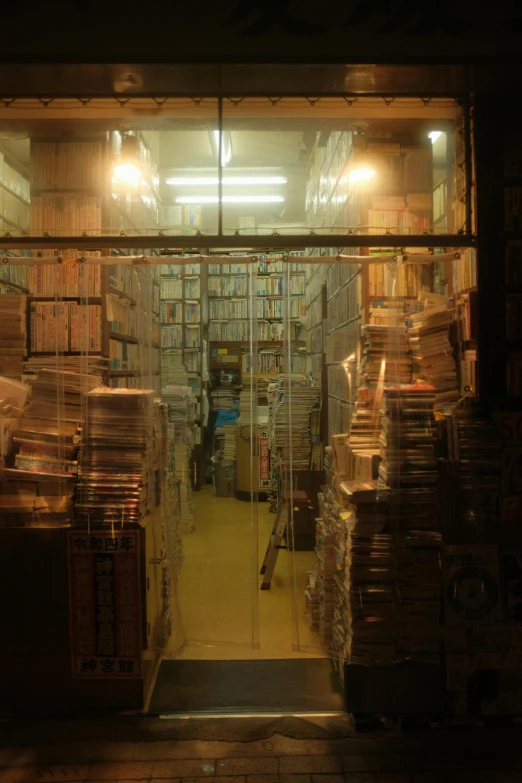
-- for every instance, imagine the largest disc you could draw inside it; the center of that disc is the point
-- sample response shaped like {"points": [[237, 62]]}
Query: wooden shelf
{"points": [[259, 343], [124, 338], [16, 195], [340, 399], [377, 298], [79, 299], [349, 322], [132, 374], [14, 225], [16, 287], [121, 294], [344, 285]]}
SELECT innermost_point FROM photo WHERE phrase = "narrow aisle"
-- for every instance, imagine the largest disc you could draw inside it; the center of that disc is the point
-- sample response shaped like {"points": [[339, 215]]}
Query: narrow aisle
{"points": [[215, 586]]}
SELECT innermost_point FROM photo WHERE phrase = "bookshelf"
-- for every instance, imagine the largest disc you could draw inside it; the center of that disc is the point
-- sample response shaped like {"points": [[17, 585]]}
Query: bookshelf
{"points": [[183, 316], [399, 199], [279, 285], [182, 289], [108, 313], [14, 196], [229, 301]]}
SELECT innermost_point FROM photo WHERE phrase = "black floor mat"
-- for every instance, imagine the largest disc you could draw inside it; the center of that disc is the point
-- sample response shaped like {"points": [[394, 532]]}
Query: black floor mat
{"points": [[293, 685]]}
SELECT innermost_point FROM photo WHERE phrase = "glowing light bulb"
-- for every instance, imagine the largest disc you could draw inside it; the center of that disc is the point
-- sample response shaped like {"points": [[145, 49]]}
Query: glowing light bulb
{"points": [[128, 173], [362, 174]]}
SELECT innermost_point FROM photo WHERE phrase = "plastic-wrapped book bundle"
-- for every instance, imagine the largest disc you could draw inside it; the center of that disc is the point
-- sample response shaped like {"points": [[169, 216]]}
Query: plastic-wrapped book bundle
{"points": [[181, 406], [116, 477], [331, 548], [172, 517]]}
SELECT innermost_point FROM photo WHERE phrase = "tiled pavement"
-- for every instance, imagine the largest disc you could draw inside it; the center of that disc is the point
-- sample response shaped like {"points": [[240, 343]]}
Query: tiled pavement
{"points": [[76, 755]]}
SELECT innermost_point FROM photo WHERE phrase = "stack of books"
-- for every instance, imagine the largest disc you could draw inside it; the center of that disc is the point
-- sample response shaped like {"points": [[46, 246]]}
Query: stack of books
{"points": [[229, 445], [370, 502], [334, 536], [408, 465], [432, 353], [223, 399], [172, 516], [312, 601], [247, 406], [370, 583], [364, 439], [49, 433], [226, 442], [407, 438], [173, 372], [386, 356], [181, 427], [82, 365], [419, 584], [181, 412], [116, 471], [13, 334], [475, 444], [293, 423], [181, 431]]}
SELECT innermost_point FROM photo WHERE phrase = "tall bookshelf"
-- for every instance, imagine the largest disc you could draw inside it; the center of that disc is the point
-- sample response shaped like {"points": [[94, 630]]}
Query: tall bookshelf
{"points": [[183, 317], [14, 196], [14, 218], [182, 306], [398, 200], [229, 312], [106, 312]]}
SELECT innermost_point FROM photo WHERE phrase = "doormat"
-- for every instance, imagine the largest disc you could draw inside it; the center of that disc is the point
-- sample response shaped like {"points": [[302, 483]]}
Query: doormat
{"points": [[293, 685]]}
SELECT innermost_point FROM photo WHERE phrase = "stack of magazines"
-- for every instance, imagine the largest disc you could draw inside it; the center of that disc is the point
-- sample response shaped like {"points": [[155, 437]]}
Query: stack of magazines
{"points": [[115, 484]]}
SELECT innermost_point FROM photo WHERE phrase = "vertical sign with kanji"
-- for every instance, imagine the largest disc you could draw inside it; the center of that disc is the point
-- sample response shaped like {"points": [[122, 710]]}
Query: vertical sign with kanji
{"points": [[104, 604], [264, 460]]}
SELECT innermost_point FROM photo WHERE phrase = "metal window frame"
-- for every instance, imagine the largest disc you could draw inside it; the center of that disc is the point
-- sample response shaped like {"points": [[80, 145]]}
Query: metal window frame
{"points": [[309, 239]]}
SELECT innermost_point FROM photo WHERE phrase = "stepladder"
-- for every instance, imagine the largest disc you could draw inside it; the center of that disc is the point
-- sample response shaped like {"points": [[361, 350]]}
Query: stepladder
{"points": [[278, 534], [275, 543]]}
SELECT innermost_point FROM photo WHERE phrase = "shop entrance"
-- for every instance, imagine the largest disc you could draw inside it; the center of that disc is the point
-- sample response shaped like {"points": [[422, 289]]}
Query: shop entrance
{"points": [[288, 253]]}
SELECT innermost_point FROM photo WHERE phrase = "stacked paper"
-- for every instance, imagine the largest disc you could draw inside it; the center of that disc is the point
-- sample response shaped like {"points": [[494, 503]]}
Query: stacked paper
{"points": [[386, 357], [116, 477], [432, 353], [13, 334]]}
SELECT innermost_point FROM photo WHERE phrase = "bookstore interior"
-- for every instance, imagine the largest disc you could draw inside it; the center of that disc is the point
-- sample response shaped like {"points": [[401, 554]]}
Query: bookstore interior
{"points": [[253, 450]]}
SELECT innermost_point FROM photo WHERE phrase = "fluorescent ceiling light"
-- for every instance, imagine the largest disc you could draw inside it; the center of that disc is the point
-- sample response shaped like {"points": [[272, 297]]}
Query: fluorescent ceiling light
{"points": [[434, 135], [361, 174], [230, 200], [226, 180]]}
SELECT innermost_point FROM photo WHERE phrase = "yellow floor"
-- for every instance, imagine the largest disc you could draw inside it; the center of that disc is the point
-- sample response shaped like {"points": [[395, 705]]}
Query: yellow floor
{"points": [[220, 612]]}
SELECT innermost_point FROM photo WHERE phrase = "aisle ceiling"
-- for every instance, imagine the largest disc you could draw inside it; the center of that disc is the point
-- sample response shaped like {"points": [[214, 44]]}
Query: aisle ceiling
{"points": [[259, 153]]}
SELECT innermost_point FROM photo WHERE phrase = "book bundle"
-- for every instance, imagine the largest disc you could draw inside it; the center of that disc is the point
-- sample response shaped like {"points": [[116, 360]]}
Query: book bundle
{"points": [[115, 484]]}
